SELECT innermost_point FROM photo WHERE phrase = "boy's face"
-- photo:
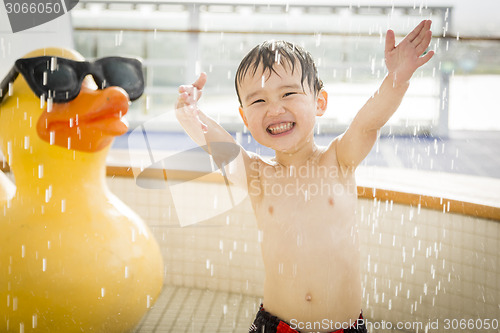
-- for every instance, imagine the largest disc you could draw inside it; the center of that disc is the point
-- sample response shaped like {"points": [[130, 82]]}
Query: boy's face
{"points": [[278, 112]]}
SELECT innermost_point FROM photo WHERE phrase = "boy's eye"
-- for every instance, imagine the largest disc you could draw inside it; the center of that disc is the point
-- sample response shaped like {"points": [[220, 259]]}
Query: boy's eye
{"points": [[289, 93], [257, 101]]}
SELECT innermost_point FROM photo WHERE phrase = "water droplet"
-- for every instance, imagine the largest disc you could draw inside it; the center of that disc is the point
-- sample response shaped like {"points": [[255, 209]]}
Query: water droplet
{"points": [[48, 193], [126, 272], [11, 89], [44, 264], [103, 292], [44, 78], [52, 137], [318, 40], [49, 104], [216, 201], [40, 171], [34, 320]]}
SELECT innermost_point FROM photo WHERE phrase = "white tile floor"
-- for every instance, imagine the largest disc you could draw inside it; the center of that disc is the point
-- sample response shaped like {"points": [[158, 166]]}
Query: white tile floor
{"points": [[181, 309], [191, 310]]}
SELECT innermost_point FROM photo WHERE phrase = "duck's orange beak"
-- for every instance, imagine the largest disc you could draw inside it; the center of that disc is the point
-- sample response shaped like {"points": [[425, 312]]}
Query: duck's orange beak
{"points": [[87, 123]]}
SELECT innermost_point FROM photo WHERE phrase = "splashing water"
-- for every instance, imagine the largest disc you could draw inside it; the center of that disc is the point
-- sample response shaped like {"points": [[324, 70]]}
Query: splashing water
{"points": [[48, 193], [52, 137], [34, 321]]}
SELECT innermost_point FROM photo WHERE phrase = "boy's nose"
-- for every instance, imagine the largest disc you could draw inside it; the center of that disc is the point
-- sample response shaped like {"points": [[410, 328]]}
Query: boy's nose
{"points": [[275, 109]]}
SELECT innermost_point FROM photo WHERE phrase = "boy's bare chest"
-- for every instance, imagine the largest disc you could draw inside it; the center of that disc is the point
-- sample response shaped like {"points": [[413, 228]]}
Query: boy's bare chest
{"points": [[316, 195]]}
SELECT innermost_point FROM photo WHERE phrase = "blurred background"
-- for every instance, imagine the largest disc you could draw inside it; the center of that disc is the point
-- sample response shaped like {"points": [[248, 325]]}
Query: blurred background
{"points": [[451, 109]]}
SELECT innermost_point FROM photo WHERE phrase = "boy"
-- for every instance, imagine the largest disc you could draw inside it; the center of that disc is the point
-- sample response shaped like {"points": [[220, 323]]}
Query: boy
{"points": [[304, 198]]}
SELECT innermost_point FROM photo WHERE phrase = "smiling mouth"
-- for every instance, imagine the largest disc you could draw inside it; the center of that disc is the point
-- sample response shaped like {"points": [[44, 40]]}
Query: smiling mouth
{"points": [[280, 128]]}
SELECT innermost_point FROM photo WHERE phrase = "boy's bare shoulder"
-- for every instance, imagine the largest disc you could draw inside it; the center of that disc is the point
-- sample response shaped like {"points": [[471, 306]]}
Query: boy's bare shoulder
{"points": [[329, 154], [257, 162], [329, 157]]}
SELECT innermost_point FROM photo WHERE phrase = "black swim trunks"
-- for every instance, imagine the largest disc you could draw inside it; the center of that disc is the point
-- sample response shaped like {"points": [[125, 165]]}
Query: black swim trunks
{"points": [[267, 323]]}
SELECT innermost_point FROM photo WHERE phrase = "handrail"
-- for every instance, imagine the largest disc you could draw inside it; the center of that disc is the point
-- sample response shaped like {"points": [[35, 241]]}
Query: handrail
{"points": [[283, 32], [445, 205], [413, 199]]}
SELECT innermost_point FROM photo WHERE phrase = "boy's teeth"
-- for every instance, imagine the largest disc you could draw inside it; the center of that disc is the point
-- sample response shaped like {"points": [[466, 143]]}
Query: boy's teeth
{"points": [[280, 128]]}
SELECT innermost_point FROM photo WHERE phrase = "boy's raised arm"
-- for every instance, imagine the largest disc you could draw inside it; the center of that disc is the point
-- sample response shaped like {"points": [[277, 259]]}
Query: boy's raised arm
{"points": [[197, 125], [206, 132], [401, 61]]}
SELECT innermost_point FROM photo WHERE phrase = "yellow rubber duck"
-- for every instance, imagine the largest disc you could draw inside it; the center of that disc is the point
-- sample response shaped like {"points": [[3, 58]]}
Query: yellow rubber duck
{"points": [[73, 257]]}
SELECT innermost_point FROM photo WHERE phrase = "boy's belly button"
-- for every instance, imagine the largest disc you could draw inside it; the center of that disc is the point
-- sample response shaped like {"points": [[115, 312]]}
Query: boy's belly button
{"points": [[308, 297]]}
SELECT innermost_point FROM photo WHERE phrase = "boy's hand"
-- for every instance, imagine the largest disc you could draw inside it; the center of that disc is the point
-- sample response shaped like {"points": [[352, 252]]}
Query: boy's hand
{"points": [[404, 59], [186, 105]]}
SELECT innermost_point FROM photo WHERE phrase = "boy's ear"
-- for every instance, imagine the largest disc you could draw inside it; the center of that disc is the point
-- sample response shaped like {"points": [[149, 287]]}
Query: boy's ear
{"points": [[321, 102], [242, 114]]}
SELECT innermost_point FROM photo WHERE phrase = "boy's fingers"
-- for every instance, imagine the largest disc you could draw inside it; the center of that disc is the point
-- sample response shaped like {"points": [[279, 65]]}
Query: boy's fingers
{"points": [[200, 81], [390, 41], [424, 33], [412, 35], [183, 88], [424, 59], [184, 100], [424, 44]]}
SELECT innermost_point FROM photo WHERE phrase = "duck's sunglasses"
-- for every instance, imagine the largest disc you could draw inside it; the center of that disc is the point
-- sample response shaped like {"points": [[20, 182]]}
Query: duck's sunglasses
{"points": [[61, 79]]}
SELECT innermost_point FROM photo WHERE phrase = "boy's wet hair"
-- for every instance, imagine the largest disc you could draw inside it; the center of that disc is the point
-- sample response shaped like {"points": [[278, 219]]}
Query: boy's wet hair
{"points": [[269, 53]]}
